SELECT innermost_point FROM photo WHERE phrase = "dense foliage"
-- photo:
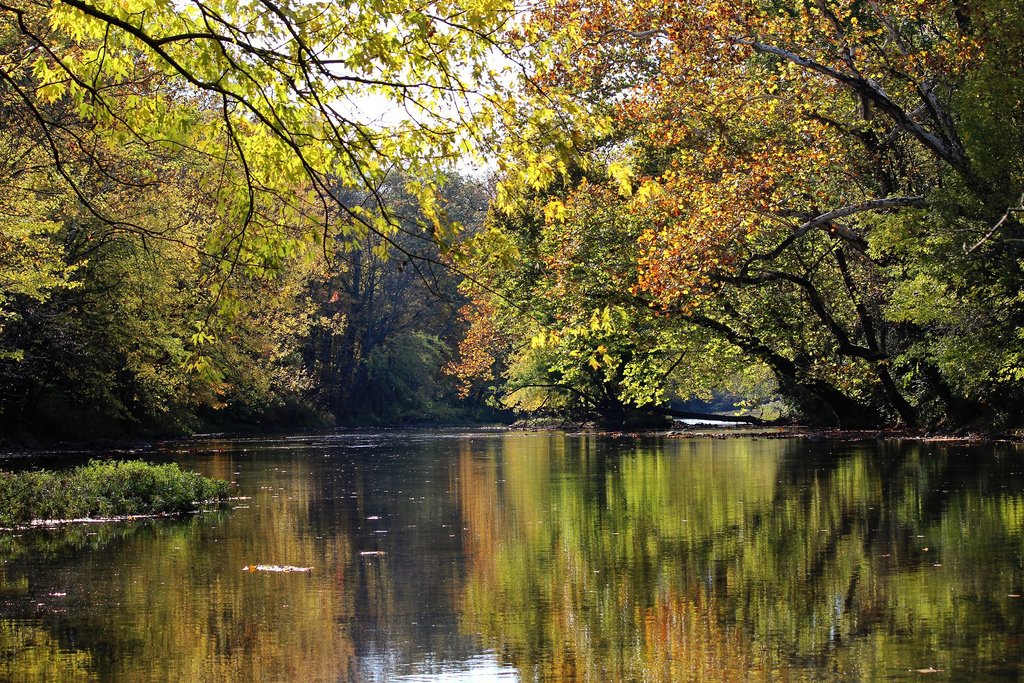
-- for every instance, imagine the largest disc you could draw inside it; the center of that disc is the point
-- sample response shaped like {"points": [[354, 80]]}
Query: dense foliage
{"points": [[384, 325], [353, 337], [820, 194], [812, 206], [104, 489], [179, 181]]}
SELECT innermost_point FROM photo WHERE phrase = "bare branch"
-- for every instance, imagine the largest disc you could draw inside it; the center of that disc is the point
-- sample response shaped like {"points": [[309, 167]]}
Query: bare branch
{"points": [[1002, 221]]}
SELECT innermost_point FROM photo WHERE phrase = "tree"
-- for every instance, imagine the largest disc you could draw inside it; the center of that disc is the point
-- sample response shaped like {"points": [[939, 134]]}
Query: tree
{"points": [[168, 168], [557, 319], [386, 322], [108, 347], [799, 171], [268, 93]]}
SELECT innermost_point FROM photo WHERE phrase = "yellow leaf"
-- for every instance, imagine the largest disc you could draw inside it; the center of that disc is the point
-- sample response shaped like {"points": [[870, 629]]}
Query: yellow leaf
{"points": [[621, 174], [554, 210], [648, 189]]}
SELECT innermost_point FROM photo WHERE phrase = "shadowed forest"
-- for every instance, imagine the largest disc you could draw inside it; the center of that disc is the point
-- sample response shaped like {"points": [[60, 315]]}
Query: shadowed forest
{"points": [[272, 215]]}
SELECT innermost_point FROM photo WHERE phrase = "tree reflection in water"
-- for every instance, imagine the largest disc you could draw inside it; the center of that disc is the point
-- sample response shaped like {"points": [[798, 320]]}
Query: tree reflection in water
{"points": [[742, 559], [542, 557]]}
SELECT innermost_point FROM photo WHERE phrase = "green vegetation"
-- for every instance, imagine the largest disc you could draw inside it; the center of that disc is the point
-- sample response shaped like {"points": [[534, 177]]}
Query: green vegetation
{"points": [[812, 206], [199, 229], [819, 202], [104, 489]]}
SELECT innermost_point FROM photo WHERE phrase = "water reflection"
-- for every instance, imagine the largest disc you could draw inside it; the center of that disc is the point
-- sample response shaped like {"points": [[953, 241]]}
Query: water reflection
{"points": [[744, 560], [446, 557]]}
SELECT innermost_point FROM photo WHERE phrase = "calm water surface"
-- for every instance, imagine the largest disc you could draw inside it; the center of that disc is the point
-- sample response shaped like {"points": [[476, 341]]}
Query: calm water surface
{"points": [[443, 556]]}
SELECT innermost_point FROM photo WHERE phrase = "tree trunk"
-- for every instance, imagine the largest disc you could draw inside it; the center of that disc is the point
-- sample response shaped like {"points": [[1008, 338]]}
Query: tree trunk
{"points": [[848, 413]]}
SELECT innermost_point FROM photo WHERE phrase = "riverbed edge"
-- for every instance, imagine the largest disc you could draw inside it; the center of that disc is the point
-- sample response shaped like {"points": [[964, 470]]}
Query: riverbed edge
{"points": [[140, 450]]}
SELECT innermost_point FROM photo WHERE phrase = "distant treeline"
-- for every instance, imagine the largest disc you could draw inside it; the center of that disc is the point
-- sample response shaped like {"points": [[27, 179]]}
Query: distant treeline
{"points": [[106, 332]]}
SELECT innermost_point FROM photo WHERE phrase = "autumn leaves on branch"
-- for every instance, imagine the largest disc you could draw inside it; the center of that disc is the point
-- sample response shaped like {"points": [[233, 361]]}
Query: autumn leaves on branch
{"points": [[797, 178], [802, 204]]}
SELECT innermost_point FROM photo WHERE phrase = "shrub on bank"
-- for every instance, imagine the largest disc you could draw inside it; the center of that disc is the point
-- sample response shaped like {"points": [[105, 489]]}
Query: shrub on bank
{"points": [[104, 489]]}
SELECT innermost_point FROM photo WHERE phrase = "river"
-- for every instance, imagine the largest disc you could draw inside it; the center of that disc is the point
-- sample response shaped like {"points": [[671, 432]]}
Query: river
{"points": [[517, 556]]}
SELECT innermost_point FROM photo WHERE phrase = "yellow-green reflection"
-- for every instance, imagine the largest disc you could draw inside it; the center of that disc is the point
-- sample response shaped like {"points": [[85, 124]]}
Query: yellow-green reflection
{"points": [[739, 560], [28, 653], [561, 558]]}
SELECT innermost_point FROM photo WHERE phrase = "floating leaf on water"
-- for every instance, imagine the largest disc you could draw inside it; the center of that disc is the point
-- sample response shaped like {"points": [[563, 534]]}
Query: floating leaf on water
{"points": [[274, 568]]}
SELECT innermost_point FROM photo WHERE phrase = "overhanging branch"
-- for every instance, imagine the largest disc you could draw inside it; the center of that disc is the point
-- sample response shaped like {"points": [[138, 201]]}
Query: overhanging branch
{"points": [[839, 230]]}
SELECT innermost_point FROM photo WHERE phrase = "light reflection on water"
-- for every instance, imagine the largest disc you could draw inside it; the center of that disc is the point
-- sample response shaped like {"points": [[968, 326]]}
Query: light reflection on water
{"points": [[480, 668], [458, 556]]}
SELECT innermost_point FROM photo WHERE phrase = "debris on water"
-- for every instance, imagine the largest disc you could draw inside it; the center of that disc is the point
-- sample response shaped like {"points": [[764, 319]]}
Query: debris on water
{"points": [[371, 553], [49, 523], [280, 568]]}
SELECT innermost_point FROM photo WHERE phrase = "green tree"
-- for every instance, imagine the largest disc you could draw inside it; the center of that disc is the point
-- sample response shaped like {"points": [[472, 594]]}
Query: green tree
{"points": [[387, 315], [110, 346], [820, 186], [268, 95], [169, 171]]}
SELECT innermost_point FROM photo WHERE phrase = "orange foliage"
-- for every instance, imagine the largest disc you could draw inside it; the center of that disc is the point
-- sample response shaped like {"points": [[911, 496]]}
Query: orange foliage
{"points": [[686, 640], [761, 115], [476, 350]]}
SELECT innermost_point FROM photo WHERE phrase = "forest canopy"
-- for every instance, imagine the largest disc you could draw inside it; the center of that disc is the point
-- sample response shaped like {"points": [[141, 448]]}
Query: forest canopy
{"points": [[812, 200], [175, 176], [810, 207]]}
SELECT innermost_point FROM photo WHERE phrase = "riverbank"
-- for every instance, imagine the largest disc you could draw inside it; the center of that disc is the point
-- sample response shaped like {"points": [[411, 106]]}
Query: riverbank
{"points": [[104, 489], [162, 449], [708, 431]]}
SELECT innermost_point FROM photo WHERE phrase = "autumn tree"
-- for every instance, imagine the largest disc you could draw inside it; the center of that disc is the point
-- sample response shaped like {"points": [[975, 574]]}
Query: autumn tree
{"points": [[277, 98], [818, 185], [222, 140], [556, 329]]}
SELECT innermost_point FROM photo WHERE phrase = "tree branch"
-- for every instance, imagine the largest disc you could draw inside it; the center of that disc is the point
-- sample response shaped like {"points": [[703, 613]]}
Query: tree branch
{"points": [[948, 150], [1002, 221], [845, 233]]}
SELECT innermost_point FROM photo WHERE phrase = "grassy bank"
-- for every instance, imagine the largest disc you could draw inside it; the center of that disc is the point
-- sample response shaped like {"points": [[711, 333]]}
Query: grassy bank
{"points": [[104, 489]]}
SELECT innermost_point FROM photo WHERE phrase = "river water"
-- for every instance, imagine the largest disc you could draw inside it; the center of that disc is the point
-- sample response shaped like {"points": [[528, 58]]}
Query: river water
{"points": [[514, 556]]}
